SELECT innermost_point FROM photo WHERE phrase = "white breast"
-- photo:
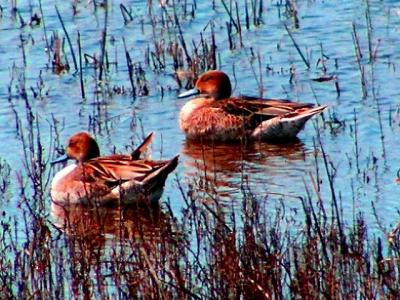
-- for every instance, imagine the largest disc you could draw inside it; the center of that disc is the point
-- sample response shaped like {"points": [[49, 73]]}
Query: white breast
{"points": [[187, 110], [61, 174]]}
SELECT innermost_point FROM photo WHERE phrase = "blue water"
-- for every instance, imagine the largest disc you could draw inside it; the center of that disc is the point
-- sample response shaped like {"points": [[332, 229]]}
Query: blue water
{"points": [[276, 171]]}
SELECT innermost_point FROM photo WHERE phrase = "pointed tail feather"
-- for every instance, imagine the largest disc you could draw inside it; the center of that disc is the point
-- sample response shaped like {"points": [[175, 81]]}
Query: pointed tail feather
{"points": [[158, 177], [142, 147]]}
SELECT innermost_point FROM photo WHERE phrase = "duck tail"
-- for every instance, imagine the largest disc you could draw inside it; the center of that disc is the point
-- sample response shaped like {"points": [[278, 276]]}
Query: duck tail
{"points": [[286, 126], [160, 175], [304, 114], [143, 146]]}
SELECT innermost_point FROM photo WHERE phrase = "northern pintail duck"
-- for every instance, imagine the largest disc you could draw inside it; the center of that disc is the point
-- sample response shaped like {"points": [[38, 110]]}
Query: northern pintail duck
{"points": [[216, 115], [108, 179]]}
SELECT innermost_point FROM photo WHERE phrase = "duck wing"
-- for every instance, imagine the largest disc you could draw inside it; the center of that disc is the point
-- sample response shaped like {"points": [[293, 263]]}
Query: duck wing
{"points": [[112, 170], [264, 108]]}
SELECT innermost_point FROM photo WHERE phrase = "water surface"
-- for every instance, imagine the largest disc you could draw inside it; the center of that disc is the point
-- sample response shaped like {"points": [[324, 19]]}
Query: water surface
{"points": [[360, 135]]}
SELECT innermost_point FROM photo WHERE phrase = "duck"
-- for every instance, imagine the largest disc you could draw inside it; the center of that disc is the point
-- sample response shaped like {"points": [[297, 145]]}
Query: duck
{"points": [[108, 180], [218, 116]]}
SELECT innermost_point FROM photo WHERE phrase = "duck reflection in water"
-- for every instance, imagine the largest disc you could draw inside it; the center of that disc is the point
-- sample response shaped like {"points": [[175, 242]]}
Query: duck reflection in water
{"points": [[115, 244], [99, 227], [227, 164]]}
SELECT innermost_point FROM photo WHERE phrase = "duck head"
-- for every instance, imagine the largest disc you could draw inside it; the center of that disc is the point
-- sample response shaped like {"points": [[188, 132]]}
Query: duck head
{"points": [[81, 147], [215, 84]]}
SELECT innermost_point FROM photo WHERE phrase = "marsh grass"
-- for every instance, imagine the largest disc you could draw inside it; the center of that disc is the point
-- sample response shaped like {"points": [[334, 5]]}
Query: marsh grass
{"points": [[209, 249], [128, 252]]}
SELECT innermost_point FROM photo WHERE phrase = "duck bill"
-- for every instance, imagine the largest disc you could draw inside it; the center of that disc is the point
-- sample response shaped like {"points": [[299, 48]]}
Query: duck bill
{"points": [[189, 93], [61, 159]]}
